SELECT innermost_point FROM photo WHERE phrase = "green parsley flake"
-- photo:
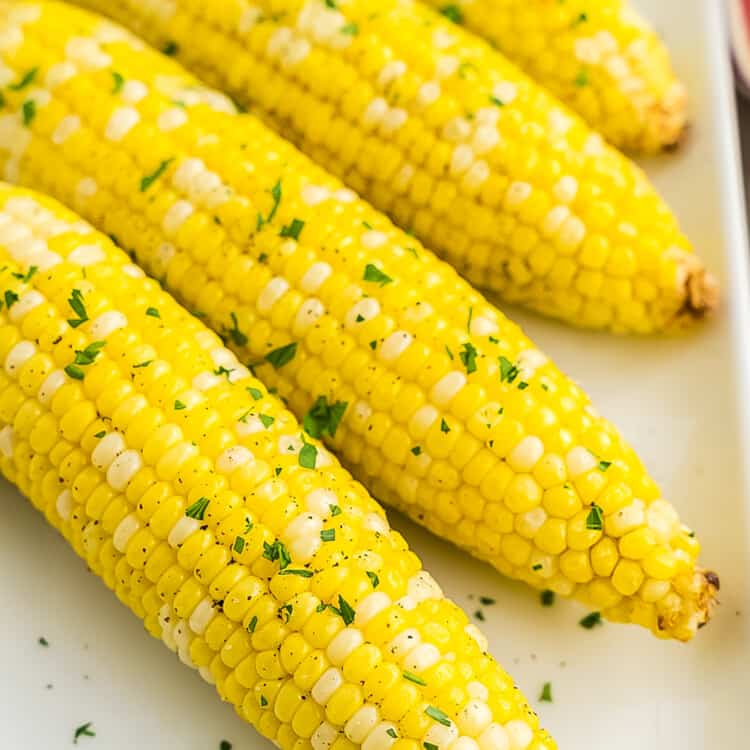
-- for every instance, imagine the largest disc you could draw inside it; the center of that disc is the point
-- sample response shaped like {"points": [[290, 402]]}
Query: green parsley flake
{"points": [[302, 573], [43, 641], [292, 230], [479, 615], [413, 678], [179, 406], [444, 426], [100, 434], [170, 49], [374, 580], [117, 82], [252, 624], [239, 338], [546, 694], [591, 620], [508, 371], [150, 179], [604, 465], [374, 274], [198, 509], [26, 277], [152, 312], [391, 732], [346, 611], [277, 551], [582, 79], [255, 393], [146, 363], [266, 420], [282, 355], [328, 535], [595, 518], [84, 730], [308, 456], [429, 746], [76, 304], [547, 598], [324, 418], [239, 545], [416, 450], [335, 510], [468, 356], [73, 372], [453, 13], [88, 355], [10, 298], [25, 80], [486, 601], [225, 745], [439, 716], [350, 29], [263, 701], [497, 102], [28, 110]]}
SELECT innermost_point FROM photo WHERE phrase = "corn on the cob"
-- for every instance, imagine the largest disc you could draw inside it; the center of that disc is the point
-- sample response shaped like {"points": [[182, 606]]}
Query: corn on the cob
{"points": [[238, 541], [598, 56], [437, 402], [441, 132]]}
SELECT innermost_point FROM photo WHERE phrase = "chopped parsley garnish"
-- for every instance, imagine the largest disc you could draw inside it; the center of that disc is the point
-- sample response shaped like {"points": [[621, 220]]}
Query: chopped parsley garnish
{"points": [[73, 372], [255, 393], [252, 624], [335, 510], [150, 179], [239, 338], [76, 304], [331, 4], [604, 465], [487, 601], [582, 79], [225, 371], [198, 509], [84, 730], [537, 566], [328, 535], [282, 355], [308, 456], [595, 518], [26, 79], [276, 195], [508, 371], [100, 434], [546, 694], [350, 29], [263, 701], [152, 312], [117, 82], [496, 101], [374, 580], [468, 320], [429, 746], [145, 363], [581, 18], [285, 611], [479, 615], [88, 355], [448, 352], [468, 356], [26, 277], [248, 526], [10, 298], [417, 450], [225, 745], [374, 274], [439, 716], [266, 420], [178, 405], [277, 551], [239, 545], [444, 426], [523, 385], [324, 418], [301, 572], [28, 110], [453, 13], [373, 345], [391, 732], [547, 598], [43, 641], [346, 611], [292, 230], [413, 678], [591, 620], [170, 49]]}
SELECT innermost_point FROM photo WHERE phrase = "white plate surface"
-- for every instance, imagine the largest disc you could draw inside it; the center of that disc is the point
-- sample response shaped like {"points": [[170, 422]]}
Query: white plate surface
{"points": [[682, 403]]}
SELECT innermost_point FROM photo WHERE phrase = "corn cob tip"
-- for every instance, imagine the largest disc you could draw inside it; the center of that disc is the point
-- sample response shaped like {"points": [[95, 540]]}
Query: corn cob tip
{"points": [[696, 610], [669, 119], [700, 291]]}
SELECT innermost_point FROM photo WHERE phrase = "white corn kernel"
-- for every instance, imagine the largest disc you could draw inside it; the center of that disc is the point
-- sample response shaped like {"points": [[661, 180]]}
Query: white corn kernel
{"points": [[123, 469], [362, 723], [124, 532], [342, 644], [328, 683], [64, 505], [18, 356], [232, 458]]}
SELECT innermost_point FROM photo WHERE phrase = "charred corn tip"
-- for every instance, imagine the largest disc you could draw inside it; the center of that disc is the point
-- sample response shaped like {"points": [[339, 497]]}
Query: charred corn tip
{"points": [[683, 625], [700, 292], [668, 119]]}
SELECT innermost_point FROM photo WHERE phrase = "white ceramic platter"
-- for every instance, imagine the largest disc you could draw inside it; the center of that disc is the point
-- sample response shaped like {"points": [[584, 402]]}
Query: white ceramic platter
{"points": [[682, 402]]}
